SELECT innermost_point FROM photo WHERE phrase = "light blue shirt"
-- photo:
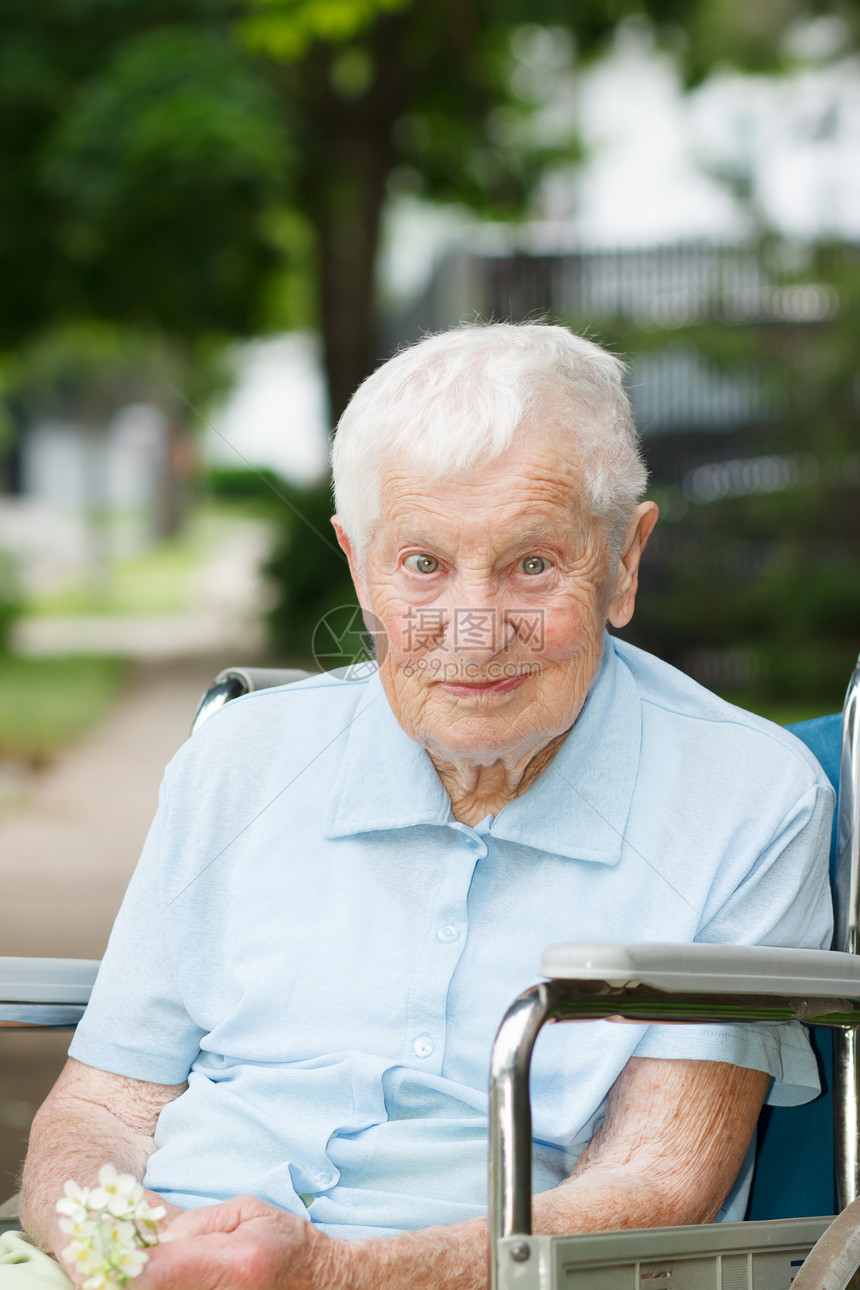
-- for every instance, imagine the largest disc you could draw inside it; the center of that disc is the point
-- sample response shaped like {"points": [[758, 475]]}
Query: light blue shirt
{"points": [[325, 953]]}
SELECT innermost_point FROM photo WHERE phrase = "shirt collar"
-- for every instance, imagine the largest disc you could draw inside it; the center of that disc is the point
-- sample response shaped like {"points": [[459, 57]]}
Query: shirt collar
{"points": [[386, 780], [578, 807]]}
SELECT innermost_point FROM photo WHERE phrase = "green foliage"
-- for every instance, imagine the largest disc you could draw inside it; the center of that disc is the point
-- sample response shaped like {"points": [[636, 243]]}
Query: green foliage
{"points": [[261, 491], [85, 370], [221, 166], [172, 99], [162, 167], [308, 570], [758, 37], [46, 703], [11, 598], [284, 29], [758, 595], [83, 362], [204, 166], [287, 299]]}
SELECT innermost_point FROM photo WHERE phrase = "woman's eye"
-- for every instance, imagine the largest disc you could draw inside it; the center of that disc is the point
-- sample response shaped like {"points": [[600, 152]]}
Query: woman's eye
{"points": [[533, 564], [422, 563]]}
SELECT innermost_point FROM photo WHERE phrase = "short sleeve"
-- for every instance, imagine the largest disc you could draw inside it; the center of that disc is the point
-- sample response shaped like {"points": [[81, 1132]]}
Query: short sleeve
{"points": [[136, 1023], [783, 899], [784, 896]]}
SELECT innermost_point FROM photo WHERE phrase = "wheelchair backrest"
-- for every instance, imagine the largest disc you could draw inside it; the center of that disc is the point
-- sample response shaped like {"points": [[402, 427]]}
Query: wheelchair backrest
{"points": [[794, 1173]]}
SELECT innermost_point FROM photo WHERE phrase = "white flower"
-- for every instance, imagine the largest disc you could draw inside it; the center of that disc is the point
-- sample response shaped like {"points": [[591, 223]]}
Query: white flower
{"points": [[131, 1261], [82, 1255], [76, 1213], [110, 1225], [73, 1191], [120, 1207], [74, 1200], [120, 1184], [101, 1280], [73, 1227], [115, 1231]]}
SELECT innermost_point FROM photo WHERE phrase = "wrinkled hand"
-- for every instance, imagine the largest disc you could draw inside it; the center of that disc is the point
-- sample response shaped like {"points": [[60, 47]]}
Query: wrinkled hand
{"points": [[244, 1244]]}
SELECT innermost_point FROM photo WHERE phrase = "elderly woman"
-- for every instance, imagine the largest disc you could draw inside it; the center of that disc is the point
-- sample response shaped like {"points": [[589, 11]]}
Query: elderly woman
{"points": [[348, 879]]}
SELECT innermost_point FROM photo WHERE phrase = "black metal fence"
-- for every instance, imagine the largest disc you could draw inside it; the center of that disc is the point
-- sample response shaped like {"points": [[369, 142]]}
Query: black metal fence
{"points": [[672, 387], [662, 286]]}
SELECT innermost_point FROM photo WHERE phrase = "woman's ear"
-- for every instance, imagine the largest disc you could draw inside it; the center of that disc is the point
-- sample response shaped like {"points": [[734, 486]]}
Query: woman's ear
{"points": [[354, 567], [623, 600]]}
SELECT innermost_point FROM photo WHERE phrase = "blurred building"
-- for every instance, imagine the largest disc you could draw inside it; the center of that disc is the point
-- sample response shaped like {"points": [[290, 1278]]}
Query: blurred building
{"points": [[74, 496], [660, 291]]}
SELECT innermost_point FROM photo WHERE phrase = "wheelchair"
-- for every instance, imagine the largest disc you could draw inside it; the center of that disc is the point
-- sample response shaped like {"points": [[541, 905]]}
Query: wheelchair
{"points": [[791, 1236]]}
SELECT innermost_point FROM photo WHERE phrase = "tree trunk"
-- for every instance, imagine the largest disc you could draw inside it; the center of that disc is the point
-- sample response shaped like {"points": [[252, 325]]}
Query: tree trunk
{"points": [[348, 225], [345, 141]]}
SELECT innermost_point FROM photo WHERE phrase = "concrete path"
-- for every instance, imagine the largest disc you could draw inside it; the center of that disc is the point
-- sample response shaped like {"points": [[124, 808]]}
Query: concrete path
{"points": [[67, 853], [66, 856]]}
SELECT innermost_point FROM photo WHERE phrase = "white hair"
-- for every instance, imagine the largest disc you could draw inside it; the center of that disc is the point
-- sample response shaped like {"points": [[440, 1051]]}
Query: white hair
{"points": [[459, 399]]}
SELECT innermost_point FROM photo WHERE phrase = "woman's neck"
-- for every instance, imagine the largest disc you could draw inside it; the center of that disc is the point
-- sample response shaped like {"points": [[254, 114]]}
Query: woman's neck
{"points": [[478, 790]]}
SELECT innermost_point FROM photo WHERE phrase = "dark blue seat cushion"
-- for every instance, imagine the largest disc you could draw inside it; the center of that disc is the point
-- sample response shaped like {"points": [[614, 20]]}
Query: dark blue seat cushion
{"points": [[794, 1164], [823, 738]]}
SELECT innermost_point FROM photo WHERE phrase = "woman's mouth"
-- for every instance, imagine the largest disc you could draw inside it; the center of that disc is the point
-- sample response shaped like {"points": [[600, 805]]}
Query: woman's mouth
{"points": [[478, 689]]}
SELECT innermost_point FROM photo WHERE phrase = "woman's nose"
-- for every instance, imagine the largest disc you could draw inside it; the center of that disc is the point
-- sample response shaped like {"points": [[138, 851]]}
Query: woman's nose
{"points": [[479, 632]]}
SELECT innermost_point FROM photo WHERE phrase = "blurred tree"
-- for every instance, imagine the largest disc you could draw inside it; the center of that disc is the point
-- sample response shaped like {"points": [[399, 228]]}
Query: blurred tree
{"points": [[152, 155], [189, 165], [11, 598], [139, 156], [80, 375], [764, 38], [136, 156], [311, 577], [221, 166], [751, 585], [411, 92]]}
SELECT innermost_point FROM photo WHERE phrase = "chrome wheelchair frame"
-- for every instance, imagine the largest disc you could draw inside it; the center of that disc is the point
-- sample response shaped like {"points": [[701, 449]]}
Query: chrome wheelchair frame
{"points": [[689, 984]]}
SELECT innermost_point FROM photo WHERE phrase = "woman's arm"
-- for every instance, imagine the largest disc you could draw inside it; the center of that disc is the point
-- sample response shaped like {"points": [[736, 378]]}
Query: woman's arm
{"points": [[672, 1143], [89, 1119]]}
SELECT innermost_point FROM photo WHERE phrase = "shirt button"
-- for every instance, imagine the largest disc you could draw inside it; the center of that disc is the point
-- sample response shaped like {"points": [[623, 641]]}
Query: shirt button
{"points": [[448, 933], [474, 844], [423, 1046], [324, 1179]]}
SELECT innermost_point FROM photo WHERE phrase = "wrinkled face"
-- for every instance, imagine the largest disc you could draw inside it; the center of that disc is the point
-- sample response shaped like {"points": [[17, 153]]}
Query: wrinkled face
{"points": [[491, 590]]}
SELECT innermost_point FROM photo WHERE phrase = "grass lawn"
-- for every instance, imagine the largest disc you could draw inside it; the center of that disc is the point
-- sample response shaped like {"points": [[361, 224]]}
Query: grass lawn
{"points": [[156, 582], [47, 702]]}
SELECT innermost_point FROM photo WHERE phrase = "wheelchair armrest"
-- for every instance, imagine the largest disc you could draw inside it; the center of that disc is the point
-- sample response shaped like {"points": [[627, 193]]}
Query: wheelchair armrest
{"points": [[648, 982], [45, 992], [708, 969]]}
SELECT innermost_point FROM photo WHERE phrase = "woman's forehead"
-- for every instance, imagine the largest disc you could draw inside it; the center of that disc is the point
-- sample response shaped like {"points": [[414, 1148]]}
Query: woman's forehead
{"points": [[539, 477], [540, 467], [533, 510]]}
